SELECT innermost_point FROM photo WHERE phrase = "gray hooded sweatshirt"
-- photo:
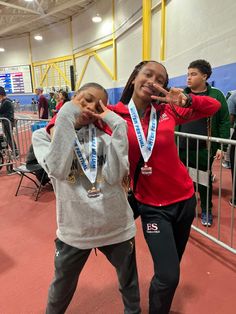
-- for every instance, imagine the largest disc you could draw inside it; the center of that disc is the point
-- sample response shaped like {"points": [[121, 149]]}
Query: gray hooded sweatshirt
{"points": [[85, 222]]}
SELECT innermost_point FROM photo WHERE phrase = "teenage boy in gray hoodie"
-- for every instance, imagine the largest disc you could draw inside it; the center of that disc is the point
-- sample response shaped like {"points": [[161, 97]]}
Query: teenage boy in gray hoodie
{"points": [[86, 166]]}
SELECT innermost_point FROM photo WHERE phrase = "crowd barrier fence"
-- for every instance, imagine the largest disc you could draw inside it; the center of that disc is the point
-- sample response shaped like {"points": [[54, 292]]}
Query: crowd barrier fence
{"points": [[224, 231]]}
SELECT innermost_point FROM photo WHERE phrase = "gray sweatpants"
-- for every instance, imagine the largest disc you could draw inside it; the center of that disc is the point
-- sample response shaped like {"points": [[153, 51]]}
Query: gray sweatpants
{"points": [[69, 262]]}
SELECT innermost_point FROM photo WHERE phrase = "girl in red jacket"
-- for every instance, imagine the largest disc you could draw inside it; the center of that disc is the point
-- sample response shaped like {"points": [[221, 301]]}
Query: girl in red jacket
{"points": [[164, 189]]}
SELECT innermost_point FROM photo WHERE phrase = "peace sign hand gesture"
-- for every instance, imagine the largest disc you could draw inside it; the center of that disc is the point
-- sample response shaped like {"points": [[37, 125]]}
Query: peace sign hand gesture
{"points": [[102, 110], [174, 96]]}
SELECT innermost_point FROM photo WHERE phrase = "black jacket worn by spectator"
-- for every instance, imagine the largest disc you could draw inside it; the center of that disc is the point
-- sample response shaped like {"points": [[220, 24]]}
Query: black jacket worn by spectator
{"points": [[7, 111]]}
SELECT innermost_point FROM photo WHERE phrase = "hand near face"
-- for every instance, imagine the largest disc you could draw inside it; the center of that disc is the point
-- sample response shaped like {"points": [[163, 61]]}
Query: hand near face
{"points": [[174, 96], [91, 109]]}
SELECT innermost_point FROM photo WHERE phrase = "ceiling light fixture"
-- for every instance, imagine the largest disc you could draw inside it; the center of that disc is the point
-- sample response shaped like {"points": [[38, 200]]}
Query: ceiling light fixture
{"points": [[2, 49], [97, 18], [29, 0], [38, 37]]}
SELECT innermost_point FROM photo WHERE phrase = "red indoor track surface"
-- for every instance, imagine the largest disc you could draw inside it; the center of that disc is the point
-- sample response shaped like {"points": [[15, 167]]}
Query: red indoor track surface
{"points": [[27, 232]]}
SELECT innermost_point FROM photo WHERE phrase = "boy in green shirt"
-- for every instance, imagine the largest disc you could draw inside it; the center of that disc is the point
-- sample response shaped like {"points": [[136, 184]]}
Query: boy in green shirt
{"points": [[199, 72]]}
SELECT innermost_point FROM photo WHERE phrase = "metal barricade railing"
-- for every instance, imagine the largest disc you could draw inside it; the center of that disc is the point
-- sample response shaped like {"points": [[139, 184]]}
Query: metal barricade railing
{"points": [[8, 146], [24, 128], [223, 232]]}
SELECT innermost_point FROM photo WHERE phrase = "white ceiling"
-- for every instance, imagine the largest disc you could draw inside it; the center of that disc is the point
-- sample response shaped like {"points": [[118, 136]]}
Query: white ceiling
{"points": [[19, 16]]}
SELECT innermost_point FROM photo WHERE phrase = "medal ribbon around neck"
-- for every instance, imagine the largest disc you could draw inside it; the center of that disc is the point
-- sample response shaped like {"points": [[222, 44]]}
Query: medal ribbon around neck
{"points": [[146, 146], [89, 167]]}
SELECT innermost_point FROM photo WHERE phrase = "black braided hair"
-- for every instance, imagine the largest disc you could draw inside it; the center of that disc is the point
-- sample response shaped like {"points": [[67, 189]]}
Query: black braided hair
{"points": [[129, 87]]}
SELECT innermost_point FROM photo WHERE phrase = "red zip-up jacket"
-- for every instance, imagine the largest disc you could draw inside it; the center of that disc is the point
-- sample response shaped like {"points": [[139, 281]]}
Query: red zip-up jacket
{"points": [[169, 182]]}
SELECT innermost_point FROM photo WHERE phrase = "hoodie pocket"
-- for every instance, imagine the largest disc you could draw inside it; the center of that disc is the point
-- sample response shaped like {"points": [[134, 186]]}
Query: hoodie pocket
{"points": [[97, 216]]}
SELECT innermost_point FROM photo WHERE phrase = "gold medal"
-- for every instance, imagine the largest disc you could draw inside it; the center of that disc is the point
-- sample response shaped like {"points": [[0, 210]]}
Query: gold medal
{"points": [[71, 178]]}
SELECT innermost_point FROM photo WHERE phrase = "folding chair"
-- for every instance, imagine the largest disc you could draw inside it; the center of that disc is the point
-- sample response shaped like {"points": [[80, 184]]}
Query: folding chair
{"points": [[25, 172]]}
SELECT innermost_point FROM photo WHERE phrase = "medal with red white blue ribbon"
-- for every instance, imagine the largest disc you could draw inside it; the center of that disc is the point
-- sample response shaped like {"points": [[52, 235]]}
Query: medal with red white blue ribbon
{"points": [[89, 167], [145, 145]]}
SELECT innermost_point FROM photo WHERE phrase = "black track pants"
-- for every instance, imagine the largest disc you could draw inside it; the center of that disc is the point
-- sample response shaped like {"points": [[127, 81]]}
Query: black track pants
{"points": [[69, 262], [166, 230]]}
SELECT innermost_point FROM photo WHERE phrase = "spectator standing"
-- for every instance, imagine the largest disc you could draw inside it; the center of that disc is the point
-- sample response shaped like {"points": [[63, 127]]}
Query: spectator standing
{"points": [[7, 111], [42, 104], [199, 72], [232, 111], [34, 105], [226, 162]]}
